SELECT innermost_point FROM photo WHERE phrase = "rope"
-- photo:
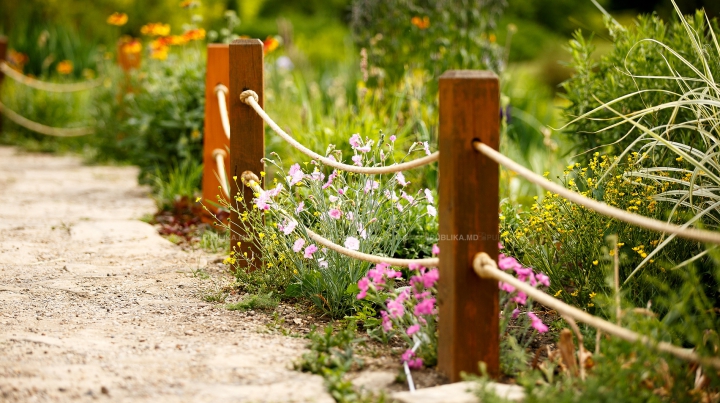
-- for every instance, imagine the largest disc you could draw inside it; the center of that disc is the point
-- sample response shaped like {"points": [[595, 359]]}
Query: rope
{"points": [[251, 180], [46, 86], [222, 104], [42, 129], [251, 98], [486, 267], [602, 208], [220, 156]]}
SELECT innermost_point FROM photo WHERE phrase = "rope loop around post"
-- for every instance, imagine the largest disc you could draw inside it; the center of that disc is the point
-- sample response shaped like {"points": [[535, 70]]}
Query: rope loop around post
{"points": [[249, 94]]}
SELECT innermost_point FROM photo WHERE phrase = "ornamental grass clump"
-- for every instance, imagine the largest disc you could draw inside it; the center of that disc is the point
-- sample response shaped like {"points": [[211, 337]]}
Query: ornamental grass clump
{"points": [[374, 214]]}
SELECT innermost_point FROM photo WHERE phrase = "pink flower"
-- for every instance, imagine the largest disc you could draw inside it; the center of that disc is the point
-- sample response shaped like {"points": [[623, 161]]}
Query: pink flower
{"points": [[322, 264], [515, 313], [395, 308], [508, 262], [300, 207], [357, 160], [407, 197], [425, 307], [363, 285], [429, 196], [298, 245], [393, 138], [407, 355], [386, 322], [371, 185], [543, 279], [415, 364], [310, 250], [295, 174], [500, 246], [401, 179], [261, 201], [431, 211], [523, 273], [289, 227], [435, 250], [521, 298], [275, 191], [426, 146], [352, 243], [412, 330], [537, 323], [430, 278], [506, 287], [318, 176], [332, 198], [335, 213], [363, 149], [342, 191], [332, 176], [355, 140]]}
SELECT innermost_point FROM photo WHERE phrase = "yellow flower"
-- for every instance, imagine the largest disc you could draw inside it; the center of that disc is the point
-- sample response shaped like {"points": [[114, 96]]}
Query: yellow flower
{"points": [[595, 262], [117, 19], [592, 295], [575, 293], [65, 67], [270, 44], [194, 34], [155, 29], [195, 134], [197, 200], [261, 235], [189, 4], [295, 271], [679, 159], [262, 173], [590, 304], [557, 294]]}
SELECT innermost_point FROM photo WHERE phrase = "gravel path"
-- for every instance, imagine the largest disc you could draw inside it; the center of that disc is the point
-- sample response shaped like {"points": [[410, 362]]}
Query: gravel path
{"points": [[94, 305]]}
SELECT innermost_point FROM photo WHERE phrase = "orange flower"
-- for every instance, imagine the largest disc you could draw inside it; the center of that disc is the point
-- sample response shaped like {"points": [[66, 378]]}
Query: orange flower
{"points": [[190, 4], [159, 49], [118, 19], [422, 23], [65, 67], [176, 40], [132, 47], [17, 60], [270, 44], [194, 34], [155, 29]]}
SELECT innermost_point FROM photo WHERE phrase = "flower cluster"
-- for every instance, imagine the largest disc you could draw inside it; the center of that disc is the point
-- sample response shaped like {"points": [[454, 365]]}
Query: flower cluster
{"points": [[65, 67], [410, 311], [117, 19], [525, 274]]}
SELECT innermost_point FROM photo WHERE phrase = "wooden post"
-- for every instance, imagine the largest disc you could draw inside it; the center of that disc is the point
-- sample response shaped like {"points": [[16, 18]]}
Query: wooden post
{"points": [[247, 142], [217, 72], [3, 57], [469, 328]]}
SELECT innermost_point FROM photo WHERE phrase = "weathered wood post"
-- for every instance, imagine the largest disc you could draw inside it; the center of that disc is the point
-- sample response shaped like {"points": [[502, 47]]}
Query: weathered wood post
{"points": [[214, 138], [247, 140], [469, 329], [3, 57]]}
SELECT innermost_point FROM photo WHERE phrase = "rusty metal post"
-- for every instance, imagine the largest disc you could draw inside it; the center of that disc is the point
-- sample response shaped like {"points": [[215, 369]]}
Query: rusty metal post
{"points": [[469, 329], [247, 141], [214, 138]]}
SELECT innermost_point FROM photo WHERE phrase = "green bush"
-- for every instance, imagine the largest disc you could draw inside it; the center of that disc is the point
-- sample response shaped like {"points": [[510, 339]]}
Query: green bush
{"points": [[651, 64]]}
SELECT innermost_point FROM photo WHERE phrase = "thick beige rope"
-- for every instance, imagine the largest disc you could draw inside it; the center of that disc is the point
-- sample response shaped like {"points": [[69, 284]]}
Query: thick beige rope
{"points": [[602, 208], [252, 181], [42, 129], [222, 104], [251, 98], [220, 156], [486, 267], [46, 86]]}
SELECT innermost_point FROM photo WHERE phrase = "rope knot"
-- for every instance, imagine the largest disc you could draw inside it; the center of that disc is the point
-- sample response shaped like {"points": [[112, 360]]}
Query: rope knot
{"points": [[248, 178], [483, 264], [222, 88], [247, 94]]}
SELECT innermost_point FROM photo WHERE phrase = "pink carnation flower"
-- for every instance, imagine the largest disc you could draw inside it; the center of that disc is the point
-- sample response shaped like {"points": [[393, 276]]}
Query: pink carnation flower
{"points": [[352, 243], [401, 179], [298, 245], [300, 207], [412, 330], [543, 279], [435, 250], [295, 174], [310, 250], [537, 323], [335, 213], [357, 160], [355, 140], [425, 307]]}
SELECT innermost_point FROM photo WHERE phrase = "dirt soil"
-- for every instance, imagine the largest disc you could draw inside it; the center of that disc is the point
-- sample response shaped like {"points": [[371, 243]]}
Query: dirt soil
{"points": [[95, 305]]}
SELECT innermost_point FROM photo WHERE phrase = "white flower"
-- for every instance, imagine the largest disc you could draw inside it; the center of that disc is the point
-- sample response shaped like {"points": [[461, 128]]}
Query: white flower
{"points": [[352, 243], [429, 196], [431, 210]]}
